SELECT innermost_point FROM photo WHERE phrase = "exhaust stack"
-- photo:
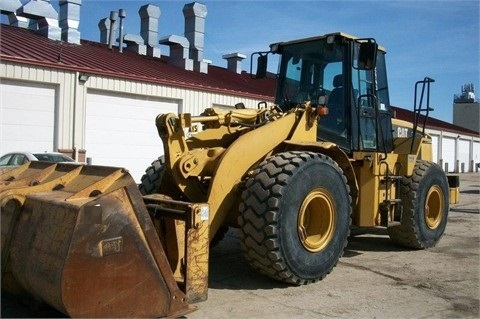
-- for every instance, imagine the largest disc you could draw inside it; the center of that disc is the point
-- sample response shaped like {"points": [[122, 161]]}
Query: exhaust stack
{"points": [[122, 14], [195, 14], [113, 28], [149, 16], [69, 20]]}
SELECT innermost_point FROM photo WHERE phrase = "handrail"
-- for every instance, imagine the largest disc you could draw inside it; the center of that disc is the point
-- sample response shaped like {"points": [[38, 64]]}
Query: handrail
{"points": [[417, 109]]}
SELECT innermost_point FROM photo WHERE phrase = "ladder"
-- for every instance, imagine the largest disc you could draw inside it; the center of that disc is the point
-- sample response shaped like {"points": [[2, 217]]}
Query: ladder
{"points": [[391, 202]]}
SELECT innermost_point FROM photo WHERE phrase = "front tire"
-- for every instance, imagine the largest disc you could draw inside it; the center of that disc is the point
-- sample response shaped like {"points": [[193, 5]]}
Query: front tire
{"points": [[425, 199], [150, 181], [150, 184], [295, 217]]}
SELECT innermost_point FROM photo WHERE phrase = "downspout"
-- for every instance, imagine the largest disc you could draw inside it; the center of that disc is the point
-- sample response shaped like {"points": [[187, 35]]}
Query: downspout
{"points": [[74, 115], [79, 101]]}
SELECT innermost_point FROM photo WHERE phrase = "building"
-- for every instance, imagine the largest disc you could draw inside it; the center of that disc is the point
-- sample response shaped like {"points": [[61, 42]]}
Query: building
{"points": [[98, 101], [455, 148], [89, 100], [466, 109]]}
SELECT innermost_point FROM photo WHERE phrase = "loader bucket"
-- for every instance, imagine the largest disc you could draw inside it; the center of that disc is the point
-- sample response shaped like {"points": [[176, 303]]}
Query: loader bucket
{"points": [[80, 239]]}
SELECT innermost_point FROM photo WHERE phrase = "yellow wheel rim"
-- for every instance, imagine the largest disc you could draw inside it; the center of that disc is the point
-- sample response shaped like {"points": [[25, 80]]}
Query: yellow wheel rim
{"points": [[434, 207], [316, 220]]}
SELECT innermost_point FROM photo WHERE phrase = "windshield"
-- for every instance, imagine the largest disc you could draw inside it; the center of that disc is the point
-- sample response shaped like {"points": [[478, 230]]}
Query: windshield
{"points": [[55, 158], [307, 72]]}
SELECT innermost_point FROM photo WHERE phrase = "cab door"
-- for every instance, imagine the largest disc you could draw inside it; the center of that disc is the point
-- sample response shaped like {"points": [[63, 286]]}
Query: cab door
{"points": [[372, 130]]}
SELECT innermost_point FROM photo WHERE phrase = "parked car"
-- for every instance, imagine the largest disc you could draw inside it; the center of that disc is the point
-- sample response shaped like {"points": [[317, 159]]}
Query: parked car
{"points": [[19, 158]]}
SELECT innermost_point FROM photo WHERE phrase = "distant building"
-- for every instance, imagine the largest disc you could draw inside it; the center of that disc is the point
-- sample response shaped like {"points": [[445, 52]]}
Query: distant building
{"points": [[466, 109]]}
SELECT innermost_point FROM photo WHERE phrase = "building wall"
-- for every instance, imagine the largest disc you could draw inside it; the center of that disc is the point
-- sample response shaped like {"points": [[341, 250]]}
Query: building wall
{"points": [[71, 113], [467, 115], [455, 153], [71, 97], [71, 105]]}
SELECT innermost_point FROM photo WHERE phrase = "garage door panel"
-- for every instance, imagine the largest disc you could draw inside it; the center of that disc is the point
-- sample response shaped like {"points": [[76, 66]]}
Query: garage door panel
{"points": [[27, 117], [126, 137], [121, 131], [448, 153]]}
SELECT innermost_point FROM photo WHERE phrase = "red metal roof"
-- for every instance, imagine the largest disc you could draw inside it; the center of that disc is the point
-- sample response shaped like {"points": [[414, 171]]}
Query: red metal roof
{"points": [[25, 46]]}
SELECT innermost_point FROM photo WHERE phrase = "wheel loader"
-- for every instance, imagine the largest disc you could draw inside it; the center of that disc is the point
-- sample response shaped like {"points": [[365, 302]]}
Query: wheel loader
{"points": [[295, 177]]}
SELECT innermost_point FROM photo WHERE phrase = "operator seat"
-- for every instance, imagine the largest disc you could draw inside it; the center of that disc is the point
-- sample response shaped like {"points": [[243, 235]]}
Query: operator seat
{"points": [[335, 100], [335, 120]]}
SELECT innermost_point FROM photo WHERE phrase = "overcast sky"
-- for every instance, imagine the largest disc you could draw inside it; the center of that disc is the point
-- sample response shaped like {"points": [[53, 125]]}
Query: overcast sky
{"points": [[435, 38]]}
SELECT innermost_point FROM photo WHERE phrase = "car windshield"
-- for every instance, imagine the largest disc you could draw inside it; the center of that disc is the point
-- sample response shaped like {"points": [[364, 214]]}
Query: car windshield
{"points": [[5, 159], [55, 158]]}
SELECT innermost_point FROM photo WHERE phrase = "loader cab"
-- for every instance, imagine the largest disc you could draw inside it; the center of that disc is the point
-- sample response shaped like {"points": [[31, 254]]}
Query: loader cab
{"points": [[346, 75]]}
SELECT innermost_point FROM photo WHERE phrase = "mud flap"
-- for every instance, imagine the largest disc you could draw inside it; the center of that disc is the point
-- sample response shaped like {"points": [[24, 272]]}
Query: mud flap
{"points": [[80, 239]]}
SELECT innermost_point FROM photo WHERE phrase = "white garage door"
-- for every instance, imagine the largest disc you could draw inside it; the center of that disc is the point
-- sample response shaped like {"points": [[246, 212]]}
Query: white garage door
{"points": [[448, 153], [27, 117], [476, 153], [464, 155], [121, 131]]}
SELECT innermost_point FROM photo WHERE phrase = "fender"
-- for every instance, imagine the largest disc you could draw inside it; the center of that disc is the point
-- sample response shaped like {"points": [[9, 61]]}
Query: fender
{"points": [[336, 153]]}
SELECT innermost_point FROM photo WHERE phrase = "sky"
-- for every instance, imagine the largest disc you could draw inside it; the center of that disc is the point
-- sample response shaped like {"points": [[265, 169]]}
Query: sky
{"points": [[435, 38]]}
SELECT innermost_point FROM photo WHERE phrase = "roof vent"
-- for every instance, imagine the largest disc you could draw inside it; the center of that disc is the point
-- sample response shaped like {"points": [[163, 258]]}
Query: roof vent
{"points": [[149, 15], [69, 20], [135, 43], [195, 14], [145, 43], [45, 15], [113, 28], [104, 26], [234, 62], [122, 14], [9, 8], [179, 51]]}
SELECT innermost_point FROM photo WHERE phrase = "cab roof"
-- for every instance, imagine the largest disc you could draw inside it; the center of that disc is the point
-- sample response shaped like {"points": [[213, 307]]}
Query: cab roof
{"points": [[319, 37]]}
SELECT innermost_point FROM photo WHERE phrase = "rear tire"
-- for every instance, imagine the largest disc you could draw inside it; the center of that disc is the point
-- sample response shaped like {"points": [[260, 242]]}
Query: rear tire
{"points": [[295, 217], [425, 199]]}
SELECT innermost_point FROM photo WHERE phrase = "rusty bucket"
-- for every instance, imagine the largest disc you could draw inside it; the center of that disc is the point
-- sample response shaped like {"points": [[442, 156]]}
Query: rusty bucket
{"points": [[80, 239]]}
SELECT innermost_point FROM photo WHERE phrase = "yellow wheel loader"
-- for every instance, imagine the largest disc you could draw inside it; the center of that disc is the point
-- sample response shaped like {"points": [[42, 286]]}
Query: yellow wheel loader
{"points": [[294, 177]]}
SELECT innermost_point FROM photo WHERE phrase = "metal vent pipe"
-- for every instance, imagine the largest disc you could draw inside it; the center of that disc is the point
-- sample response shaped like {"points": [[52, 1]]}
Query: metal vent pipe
{"points": [[195, 14], [45, 15], [104, 26], [122, 14], [149, 16], [69, 20], [10, 8], [113, 18]]}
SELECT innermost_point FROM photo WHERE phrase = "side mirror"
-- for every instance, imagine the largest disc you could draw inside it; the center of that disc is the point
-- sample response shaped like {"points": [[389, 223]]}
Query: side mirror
{"points": [[367, 55], [262, 62]]}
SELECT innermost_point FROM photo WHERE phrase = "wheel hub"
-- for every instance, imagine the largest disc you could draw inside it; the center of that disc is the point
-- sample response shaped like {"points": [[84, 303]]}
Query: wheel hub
{"points": [[434, 207], [316, 220]]}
